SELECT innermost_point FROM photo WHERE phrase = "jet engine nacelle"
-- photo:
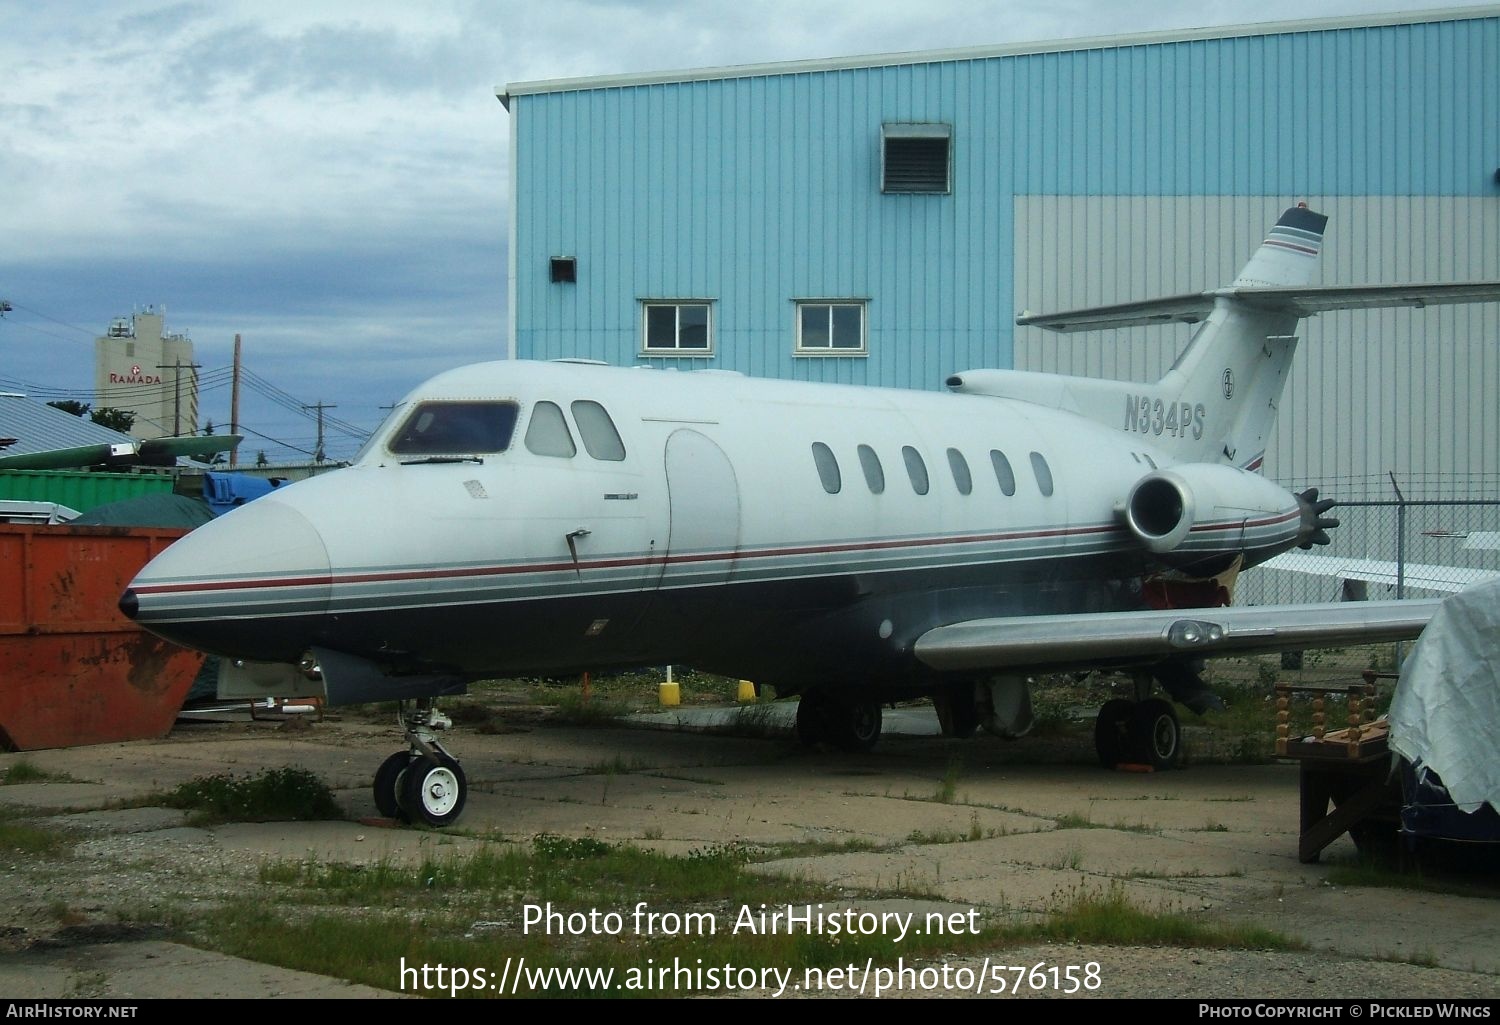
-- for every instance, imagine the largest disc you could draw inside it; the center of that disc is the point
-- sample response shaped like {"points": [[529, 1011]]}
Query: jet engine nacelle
{"points": [[1203, 509]]}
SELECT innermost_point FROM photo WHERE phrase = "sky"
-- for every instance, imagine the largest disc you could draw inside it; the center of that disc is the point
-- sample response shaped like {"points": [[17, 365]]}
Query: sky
{"points": [[329, 179]]}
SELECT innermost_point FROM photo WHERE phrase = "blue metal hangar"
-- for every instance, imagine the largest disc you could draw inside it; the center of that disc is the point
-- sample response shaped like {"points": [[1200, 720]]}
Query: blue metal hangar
{"points": [[880, 220]]}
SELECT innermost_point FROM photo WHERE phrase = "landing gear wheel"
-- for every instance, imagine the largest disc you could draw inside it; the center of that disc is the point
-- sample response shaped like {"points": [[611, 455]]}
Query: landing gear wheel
{"points": [[1156, 734], [388, 785], [1112, 731], [434, 791], [857, 726], [841, 722], [957, 711], [812, 718]]}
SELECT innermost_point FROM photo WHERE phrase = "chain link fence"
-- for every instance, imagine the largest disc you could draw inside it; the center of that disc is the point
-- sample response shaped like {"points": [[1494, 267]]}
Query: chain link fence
{"points": [[1393, 548]]}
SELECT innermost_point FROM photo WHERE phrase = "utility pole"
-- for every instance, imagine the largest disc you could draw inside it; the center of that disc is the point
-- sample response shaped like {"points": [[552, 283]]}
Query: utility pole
{"points": [[318, 456], [176, 368], [234, 405]]}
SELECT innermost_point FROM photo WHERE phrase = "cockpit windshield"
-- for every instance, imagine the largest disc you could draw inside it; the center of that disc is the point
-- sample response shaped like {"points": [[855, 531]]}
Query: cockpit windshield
{"points": [[456, 428]]}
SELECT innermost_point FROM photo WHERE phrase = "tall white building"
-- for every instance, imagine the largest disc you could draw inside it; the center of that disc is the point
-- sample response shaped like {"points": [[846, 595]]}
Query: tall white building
{"points": [[140, 368]]}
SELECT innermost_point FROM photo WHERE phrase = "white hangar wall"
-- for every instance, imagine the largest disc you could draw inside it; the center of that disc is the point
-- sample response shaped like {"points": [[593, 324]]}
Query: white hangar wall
{"points": [[1410, 392]]}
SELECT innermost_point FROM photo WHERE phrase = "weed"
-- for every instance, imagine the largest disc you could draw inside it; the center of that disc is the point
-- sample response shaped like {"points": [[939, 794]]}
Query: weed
{"points": [[948, 788], [273, 796], [24, 838], [1091, 915], [25, 772], [573, 709]]}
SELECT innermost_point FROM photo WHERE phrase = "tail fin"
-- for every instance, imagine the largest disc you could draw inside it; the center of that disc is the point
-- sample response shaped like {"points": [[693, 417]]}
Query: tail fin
{"points": [[1289, 255], [1235, 367], [1218, 402]]}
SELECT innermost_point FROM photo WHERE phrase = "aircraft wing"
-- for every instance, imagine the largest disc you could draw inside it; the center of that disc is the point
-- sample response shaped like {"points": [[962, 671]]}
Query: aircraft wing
{"points": [[1303, 301], [1377, 571], [1113, 639], [65, 458], [155, 452]]}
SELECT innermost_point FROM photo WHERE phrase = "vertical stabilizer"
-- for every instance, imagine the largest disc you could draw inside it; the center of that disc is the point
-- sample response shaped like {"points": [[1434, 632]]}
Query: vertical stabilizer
{"points": [[1218, 402], [1289, 255], [1236, 366]]}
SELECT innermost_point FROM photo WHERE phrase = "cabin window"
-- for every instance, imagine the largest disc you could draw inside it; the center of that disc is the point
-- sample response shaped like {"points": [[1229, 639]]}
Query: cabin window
{"points": [[600, 439], [456, 428], [676, 328], [547, 434], [828, 468], [916, 158], [1043, 473], [827, 327], [960, 467], [1004, 475], [915, 469], [874, 472]]}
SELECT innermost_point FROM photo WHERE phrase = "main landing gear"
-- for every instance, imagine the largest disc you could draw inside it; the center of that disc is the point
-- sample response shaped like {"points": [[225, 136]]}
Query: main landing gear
{"points": [[424, 783], [1138, 732], [838, 720]]}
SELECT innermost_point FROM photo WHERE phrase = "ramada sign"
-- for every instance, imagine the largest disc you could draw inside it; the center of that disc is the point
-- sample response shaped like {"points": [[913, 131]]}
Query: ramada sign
{"points": [[135, 377]]}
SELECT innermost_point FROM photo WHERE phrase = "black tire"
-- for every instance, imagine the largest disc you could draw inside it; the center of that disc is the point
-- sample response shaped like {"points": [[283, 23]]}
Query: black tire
{"points": [[957, 711], [434, 791], [388, 783], [812, 718], [856, 725], [1112, 732], [1156, 734]]}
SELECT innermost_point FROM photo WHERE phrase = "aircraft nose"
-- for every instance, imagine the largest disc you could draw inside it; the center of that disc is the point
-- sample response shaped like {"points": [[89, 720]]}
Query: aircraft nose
{"points": [[253, 584]]}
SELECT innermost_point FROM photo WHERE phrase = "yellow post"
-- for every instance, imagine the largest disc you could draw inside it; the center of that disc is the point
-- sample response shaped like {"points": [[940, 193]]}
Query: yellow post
{"points": [[669, 695], [746, 693]]}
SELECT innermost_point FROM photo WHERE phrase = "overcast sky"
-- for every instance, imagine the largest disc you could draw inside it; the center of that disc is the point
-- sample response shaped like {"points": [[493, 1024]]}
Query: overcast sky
{"points": [[329, 179]]}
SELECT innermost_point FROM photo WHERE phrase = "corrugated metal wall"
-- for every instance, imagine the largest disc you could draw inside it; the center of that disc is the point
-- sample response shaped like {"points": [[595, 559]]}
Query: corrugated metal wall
{"points": [[756, 190], [1370, 392]]}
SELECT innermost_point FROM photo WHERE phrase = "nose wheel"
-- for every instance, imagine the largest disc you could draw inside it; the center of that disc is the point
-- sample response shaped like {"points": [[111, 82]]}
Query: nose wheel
{"points": [[424, 783]]}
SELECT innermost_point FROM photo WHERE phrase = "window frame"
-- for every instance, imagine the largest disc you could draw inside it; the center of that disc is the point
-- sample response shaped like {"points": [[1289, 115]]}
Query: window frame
{"points": [[799, 348], [923, 131], [678, 350]]}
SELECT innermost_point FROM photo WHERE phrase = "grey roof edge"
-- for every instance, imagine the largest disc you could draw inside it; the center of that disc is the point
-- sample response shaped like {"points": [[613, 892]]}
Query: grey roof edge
{"points": [[808, 66]]}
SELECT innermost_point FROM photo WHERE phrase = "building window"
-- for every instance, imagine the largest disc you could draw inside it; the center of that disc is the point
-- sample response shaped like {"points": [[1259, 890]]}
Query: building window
{"points": [[827, 327], [676, 329], [828, 468], [916, 158]]}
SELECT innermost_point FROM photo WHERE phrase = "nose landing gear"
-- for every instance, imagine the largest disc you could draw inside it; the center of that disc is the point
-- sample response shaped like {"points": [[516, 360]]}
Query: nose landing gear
{"points": [[424, 783]]}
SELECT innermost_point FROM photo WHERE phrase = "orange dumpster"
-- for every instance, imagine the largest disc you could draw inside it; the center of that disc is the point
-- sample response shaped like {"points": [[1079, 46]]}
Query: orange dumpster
{"points": [[73, 670]]}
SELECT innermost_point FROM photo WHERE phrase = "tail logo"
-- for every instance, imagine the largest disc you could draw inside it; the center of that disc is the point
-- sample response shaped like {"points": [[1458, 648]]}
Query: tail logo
{"points": [[1228, 383]]}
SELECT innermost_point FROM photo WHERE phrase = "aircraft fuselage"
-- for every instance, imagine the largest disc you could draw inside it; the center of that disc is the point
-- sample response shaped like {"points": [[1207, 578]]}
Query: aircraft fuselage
{"points": [[783, 532]]}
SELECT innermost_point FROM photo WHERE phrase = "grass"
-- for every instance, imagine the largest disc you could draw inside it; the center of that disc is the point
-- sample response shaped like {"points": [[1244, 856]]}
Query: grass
{"points": [[1375, 874], [25, 771], [276, 795], [1091, 915], [19, 836], [563, 903]]}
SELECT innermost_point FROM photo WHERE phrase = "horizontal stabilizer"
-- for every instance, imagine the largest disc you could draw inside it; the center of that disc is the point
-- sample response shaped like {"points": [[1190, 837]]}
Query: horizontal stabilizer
{"points": [[1302, 301], [1118, 639]]}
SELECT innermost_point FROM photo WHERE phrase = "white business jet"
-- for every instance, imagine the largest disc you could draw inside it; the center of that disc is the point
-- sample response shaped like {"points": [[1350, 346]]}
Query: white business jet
{"points": [[852, 545]]}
